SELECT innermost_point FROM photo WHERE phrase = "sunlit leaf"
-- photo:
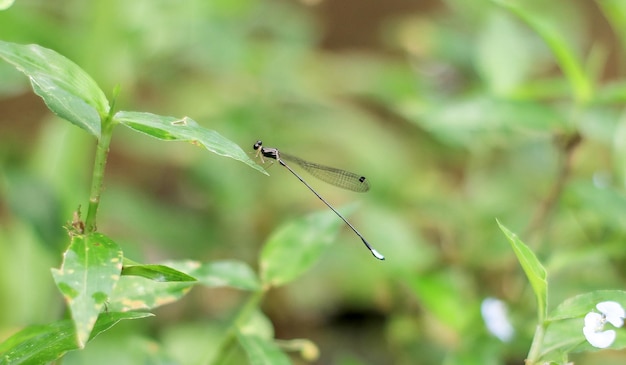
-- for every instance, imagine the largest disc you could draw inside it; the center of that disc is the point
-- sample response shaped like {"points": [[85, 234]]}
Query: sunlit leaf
{"points": [[535, 272], [184, 129], [44, 343], [65, 88], [296, 246], [90, 270]]}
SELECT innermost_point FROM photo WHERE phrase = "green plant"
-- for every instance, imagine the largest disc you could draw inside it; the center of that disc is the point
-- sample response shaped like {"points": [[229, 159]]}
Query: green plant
{"points": [[100, 285]]}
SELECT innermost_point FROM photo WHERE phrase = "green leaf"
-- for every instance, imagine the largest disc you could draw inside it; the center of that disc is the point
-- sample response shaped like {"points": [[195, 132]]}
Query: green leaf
{"points": [[91, 268], [580, 305], [159, 273], [44, 343], [184, 129], [227, 273], [66, 89], [569, 62], [256, 336], [139, 293], [535, 272], [296, 246]]}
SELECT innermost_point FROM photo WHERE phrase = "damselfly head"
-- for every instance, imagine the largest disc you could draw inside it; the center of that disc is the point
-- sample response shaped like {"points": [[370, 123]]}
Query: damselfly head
{"points": [[258, 145]]}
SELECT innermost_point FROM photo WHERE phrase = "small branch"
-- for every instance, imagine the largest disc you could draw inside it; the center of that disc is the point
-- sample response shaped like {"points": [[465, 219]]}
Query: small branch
{"points": [[540, 219]]}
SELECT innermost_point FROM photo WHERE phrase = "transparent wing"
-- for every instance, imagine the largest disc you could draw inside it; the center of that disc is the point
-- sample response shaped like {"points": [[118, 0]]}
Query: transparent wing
{"points": [[338, 177]]}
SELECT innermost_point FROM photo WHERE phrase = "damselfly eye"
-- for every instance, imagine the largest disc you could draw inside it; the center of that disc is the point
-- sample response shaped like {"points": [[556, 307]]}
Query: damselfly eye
{"points": [[258, 145], [362, 178]]}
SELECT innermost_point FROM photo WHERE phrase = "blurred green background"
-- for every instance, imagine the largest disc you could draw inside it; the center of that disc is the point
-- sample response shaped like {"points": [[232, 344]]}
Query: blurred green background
{"points": [[455, 110]]}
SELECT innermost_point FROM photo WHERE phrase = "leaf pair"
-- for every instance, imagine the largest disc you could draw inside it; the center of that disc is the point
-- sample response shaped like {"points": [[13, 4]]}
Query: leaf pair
{"points": [[73, 95]]}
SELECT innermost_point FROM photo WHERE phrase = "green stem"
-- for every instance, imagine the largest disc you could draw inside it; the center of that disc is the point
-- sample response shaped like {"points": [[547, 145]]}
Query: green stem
{"points": [[230, 339], [535, 348], [102, 151]]}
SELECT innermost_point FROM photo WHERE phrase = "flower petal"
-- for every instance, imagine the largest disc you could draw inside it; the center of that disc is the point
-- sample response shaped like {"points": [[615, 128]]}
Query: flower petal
{"points": [[600, 340], [594, 321], [613, 312]]}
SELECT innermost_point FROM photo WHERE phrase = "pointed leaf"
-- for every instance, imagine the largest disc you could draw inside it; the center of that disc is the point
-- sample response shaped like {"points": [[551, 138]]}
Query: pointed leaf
{"points": [[91, 268], [159, 273], [66, 89], [295, 247], [184, 129], [535, 272], [44, 343]]}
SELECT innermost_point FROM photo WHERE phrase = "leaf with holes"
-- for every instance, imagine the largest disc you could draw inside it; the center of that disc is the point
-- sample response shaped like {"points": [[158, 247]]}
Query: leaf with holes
{"points": [[90, 270]]}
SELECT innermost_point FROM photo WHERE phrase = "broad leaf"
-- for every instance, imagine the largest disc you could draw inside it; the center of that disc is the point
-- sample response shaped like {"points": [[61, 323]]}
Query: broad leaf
{"points": [[580, 305], [65, 88], [90, 270], [296, 246], [44, 343], [139, 293], [184, 129], [535, 272]]}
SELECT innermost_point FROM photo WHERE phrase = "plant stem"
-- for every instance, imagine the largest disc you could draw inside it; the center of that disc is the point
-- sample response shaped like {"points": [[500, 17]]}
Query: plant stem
{"points": [[230, 338], [535, 347], [102, 151]]}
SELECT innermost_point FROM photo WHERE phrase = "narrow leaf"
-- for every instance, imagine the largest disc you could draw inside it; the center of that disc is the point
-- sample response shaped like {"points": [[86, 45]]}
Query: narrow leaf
{"points": [[159, 273], [66, 89], [184, 129], [535, 272], [91, 268], [570, 63], [296, 246], [44, 343]]}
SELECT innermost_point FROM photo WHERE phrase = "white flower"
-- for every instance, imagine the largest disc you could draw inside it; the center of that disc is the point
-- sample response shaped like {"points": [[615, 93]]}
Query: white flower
{"points": [[496, 319], [611, 312]]}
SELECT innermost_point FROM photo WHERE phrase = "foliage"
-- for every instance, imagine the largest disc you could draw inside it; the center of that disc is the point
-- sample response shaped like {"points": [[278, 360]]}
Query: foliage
{"points": [[497, 114]]}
